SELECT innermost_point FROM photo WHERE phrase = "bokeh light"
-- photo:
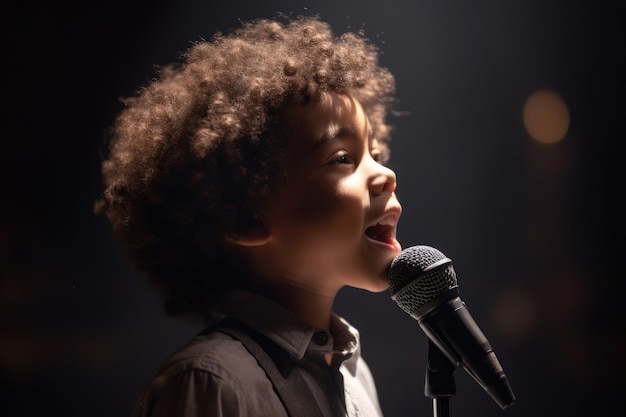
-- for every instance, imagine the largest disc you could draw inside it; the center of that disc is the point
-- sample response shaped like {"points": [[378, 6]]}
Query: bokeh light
{"points": [[546, 116], [514, 314]]}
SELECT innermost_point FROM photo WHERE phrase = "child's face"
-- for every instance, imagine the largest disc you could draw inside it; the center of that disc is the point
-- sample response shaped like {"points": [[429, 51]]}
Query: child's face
{"points": [[332, 218]]}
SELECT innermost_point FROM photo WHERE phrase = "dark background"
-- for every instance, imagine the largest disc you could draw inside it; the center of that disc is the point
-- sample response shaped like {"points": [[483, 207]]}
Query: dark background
{"points": [[533, 229]]}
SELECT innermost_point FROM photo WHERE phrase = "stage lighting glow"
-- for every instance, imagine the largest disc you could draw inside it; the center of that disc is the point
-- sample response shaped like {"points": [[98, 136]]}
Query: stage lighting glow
{"points": [[546, 116], [514, 314]]}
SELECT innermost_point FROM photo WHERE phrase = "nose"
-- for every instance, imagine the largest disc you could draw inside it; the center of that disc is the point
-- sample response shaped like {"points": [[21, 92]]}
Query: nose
{"points": [[383, 180]]}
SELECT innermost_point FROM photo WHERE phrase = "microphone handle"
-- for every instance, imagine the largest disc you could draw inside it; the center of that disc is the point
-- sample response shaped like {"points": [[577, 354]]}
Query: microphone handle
{"points": [[453, 330]]}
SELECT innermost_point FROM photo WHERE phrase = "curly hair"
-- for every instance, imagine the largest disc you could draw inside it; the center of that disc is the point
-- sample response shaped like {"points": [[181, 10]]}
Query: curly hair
{"points": [[198, 148]]}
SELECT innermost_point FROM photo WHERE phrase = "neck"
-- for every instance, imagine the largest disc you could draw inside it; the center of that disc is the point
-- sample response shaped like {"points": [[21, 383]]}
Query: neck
{"points": [[311, 306]]}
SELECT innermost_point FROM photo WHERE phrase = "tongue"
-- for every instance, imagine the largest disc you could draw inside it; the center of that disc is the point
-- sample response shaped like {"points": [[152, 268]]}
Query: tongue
{"points": [[378, 232]]}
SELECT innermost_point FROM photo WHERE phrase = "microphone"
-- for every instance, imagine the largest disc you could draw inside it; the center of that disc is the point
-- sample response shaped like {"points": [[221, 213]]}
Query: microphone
{"points": [[423, 283]]}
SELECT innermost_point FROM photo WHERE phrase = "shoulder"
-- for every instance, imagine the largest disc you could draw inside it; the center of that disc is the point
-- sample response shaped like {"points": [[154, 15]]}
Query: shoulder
{"points": [[215, 353], [213, 374]]}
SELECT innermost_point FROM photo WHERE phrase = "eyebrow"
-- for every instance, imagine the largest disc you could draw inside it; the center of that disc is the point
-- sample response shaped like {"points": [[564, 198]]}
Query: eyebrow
{"points": [[334, 131]]}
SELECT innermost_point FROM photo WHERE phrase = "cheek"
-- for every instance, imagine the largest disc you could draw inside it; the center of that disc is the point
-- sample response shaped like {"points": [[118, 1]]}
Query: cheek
{"points": [[321, 211]]}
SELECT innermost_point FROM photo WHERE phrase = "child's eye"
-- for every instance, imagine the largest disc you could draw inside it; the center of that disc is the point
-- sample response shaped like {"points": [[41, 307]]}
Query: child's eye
{"points": [[342, 158]]}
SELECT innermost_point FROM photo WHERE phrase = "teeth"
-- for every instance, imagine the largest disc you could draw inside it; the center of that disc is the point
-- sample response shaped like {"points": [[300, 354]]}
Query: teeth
{"points": [[387, 221]]}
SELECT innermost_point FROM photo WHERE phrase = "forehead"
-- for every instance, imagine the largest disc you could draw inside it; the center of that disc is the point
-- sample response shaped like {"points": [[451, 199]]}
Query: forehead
{"points": [[325, 117]]}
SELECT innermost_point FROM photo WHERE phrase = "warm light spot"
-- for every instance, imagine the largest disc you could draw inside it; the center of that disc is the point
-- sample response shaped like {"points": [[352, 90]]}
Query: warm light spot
{"points": [[514, 314], [546, 116]]}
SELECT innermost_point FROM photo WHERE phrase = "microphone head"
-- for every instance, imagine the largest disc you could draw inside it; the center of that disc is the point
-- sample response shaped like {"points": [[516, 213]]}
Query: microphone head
{"points": [[418, 275]]}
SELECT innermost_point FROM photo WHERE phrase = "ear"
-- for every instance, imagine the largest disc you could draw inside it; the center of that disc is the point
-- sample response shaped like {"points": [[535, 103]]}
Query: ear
{"points": [[254, 232]]}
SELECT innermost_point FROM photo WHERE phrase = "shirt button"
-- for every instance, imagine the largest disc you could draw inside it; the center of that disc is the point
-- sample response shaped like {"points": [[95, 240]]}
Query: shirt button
{"points": [[321, 338]]}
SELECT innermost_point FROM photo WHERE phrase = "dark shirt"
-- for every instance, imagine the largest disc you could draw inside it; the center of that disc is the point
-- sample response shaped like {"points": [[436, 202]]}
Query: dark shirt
{"points": [[214, 375]]}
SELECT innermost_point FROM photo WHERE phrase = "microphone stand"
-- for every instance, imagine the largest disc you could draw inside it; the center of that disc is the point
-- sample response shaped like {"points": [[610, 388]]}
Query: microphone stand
{"points": [[439, 382]]}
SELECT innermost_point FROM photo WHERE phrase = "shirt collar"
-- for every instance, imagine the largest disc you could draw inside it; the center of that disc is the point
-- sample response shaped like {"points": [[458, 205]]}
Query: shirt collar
{"points": [[289, 332]]}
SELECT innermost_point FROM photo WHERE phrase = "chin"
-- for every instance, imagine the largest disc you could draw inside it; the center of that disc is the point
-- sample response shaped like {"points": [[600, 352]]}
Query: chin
{"points": [[376, 283], [384, 286]]}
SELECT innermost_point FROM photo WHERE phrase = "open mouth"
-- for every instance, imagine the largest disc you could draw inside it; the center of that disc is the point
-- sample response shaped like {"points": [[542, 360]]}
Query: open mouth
{"points": [[380, 232]]}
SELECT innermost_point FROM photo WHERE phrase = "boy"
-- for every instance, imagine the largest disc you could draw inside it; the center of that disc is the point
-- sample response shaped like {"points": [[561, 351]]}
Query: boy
{"points": [[247, 183]]}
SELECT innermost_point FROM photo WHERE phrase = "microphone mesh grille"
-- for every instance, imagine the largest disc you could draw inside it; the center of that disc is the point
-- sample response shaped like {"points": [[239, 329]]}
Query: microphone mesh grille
{"points": [[410, 286]]}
